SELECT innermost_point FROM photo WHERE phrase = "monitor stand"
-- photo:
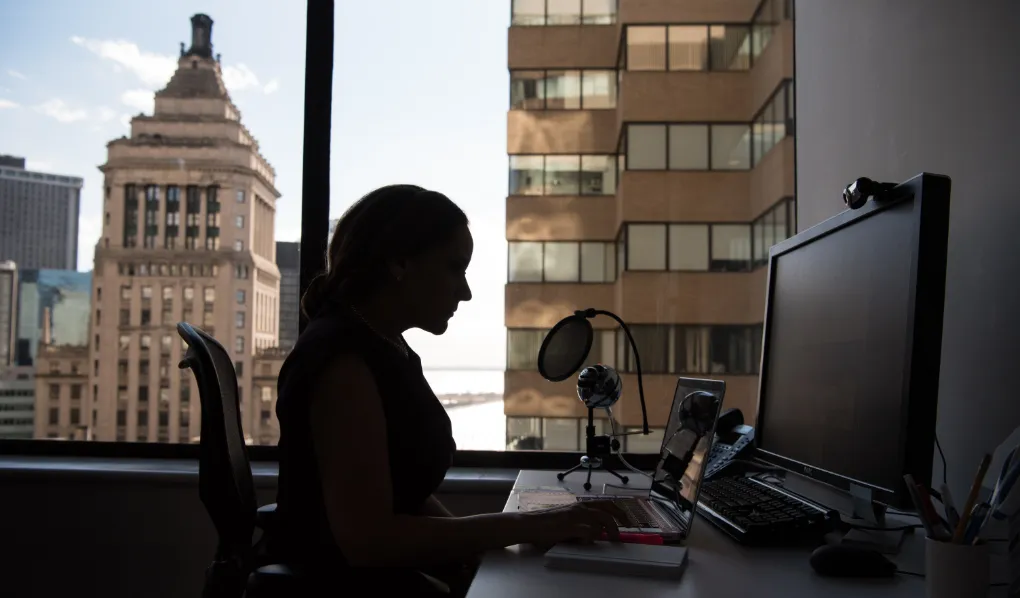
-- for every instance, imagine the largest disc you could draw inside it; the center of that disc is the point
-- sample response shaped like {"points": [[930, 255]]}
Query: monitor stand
{"points": [[867, 512]]}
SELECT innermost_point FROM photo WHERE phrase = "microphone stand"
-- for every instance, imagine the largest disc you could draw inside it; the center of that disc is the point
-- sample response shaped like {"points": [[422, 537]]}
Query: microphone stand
{"points": [[599, 447]]}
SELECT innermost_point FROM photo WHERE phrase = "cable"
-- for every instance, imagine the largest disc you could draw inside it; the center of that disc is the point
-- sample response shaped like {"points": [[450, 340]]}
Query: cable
{"points": [[945, 467], [619, 452]]}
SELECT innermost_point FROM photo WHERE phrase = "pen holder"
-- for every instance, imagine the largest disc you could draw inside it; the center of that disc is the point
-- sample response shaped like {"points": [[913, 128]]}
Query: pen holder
{"points": [[956, 570]]}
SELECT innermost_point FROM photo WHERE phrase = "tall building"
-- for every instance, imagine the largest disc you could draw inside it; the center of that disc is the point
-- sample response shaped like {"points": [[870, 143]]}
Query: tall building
{"points": [[288, 260], [192, 162], [651, 168], [38, 217], [17, 392], [8, 311], [57, 300]]}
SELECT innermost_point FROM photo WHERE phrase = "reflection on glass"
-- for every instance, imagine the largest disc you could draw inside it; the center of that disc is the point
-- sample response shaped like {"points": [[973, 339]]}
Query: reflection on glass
{"points": [[731, 247], [526, 175], [562, 175], [646, 48], [688, 147], [730, 47], [527, 90], [528, 12], [688, 439], [598, 175], [561, 262], [688, 48], [598, 90], [525, 261], [598, 12], [646, 147], [688, 247], [731, 147], [691, 348], [646, 247], [563, 90], [563, 12]]}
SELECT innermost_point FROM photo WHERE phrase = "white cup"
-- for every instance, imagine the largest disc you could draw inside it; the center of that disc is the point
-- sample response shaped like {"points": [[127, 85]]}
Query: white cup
{"points": [[956, 570]]}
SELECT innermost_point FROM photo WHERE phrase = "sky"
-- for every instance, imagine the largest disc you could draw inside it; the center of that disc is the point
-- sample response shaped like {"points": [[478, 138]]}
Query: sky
{"points": [[420, 94]]}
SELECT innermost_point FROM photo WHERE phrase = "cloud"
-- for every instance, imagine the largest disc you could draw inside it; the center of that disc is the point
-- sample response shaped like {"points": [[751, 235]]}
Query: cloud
{"points": [[271, 87], [140, 99], [57, 109], [239, 77], [39, 165], [125, 119], [16, 74], [7, 104], [105, 113], [154, 70]]}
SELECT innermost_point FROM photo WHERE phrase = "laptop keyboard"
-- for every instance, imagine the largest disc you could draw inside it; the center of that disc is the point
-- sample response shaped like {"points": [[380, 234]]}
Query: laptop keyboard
{"points": [[636, 513]]}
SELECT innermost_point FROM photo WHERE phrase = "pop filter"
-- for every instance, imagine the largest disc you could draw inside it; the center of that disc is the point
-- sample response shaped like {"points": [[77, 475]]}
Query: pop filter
{"points": [[565, 348]]}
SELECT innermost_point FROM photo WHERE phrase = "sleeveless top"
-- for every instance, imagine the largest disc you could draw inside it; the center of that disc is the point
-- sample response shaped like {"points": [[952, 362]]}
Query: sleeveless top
{"points": [[419, 434]]}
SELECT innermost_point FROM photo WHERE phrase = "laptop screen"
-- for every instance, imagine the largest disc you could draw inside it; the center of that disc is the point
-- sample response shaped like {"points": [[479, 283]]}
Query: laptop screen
{"points": [[687, 442]]}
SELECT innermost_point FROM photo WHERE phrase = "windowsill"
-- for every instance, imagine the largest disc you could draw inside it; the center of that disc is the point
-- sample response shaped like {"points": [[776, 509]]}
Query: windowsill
{"points": [[459, 480]]}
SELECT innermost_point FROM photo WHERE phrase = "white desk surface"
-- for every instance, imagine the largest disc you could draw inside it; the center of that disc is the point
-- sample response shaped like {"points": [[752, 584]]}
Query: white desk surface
{"points": [[718, 566]]}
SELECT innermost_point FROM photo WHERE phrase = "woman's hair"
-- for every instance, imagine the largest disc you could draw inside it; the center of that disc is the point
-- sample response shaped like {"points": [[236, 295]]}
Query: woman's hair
{"points": [[390, 223]]}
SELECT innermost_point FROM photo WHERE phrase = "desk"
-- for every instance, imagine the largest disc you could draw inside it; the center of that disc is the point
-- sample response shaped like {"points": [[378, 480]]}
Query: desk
{"points": [[718, 566]]}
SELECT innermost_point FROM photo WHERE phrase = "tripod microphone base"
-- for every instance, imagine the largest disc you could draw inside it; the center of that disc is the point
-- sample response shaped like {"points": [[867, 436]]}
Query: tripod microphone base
{"points": [[590, 463]]}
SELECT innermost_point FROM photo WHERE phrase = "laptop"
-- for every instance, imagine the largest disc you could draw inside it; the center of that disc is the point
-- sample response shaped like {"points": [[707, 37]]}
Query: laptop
{"points": [[668, 509]]}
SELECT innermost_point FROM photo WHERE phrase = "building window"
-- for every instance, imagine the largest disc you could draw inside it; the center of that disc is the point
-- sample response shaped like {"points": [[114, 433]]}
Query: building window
{"points": [[563, 12], [774, 122], [699, 349], [239, 196], [239, 221], [54, 392], [241, 271], [146, 341], [189, 294], [688, 147], [775, 225], [143, 418], [146, 292], [143, 394], [54, 416], [687, 47], [76, 392], [238, 245], [267, 394], [240, 297], [688, 247], [731, 247], [164, 343], [561, 261], [239, 344], [769, 15], [646, 247], [239, 319], [210, 294], [146, 317], [125, 317], [563, 175], [522, 348], [562, 90]]}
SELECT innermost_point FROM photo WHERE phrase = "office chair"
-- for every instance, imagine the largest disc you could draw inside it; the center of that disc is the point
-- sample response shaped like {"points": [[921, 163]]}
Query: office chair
{"points": [[225, 480]]}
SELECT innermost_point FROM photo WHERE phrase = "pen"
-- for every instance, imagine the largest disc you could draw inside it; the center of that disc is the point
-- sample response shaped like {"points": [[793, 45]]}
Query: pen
{"points": [[977, 522], [941, 529], [922, 514], [952, 516], [975, 487]]}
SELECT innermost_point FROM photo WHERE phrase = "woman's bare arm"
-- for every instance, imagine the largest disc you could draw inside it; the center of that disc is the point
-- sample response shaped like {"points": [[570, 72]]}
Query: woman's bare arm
{"points": [[433, 507], [349, 436]]}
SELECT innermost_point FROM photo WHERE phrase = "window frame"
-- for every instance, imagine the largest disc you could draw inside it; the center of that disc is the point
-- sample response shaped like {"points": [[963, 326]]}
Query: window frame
{"points": [[622, 63], [580, 174], [545, 16], [624, 144], [318, 81], [545, 92], [580, 262]]}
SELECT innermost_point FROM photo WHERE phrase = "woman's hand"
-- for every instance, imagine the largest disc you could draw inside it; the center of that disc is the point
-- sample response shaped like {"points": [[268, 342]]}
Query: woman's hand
{"points": [[579, 522]]}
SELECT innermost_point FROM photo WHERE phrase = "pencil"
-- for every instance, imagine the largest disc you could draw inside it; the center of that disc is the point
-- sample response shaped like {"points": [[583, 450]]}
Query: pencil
{"points": [[968, 507]]}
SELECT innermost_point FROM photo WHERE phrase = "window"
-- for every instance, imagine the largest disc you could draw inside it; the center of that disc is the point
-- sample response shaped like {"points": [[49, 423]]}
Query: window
{"points": [[774, 122], [239, 196], [522, 348], [125, 293], [168, 294], [731, 247], [775, 225], [189, 293], [54, 416], [563, 175], [688, 247], [688, 147], [561, 261], [125, 317], [239, 221], [239, 319], [646, 247], [563, 12], [146, 341], [267, 394], [239, 344], [240, 297], [76, 392], [687, 47], [210, 294], [165, 343], [239, 368], [146, 317], [143, 394], [694, 349], [146, 292], [562, 89], [238, 245]]}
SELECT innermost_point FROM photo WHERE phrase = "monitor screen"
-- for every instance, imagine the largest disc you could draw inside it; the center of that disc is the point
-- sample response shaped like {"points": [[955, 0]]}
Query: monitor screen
{"points": [[687, 442], [838, 344]]}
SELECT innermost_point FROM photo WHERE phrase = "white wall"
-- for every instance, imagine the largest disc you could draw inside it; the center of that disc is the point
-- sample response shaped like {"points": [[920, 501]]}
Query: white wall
{"points": [[889, 88]]}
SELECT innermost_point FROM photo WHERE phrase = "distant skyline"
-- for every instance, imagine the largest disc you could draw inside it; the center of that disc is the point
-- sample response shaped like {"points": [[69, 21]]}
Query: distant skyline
{"points": [[419, 96]]}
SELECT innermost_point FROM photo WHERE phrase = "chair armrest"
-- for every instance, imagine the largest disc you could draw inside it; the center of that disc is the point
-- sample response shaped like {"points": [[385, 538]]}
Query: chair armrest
{"points": [[265, 516]]}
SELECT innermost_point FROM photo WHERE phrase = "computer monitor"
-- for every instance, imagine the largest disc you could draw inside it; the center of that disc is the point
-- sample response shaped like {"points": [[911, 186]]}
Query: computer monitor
{"points": [[852, 341]]}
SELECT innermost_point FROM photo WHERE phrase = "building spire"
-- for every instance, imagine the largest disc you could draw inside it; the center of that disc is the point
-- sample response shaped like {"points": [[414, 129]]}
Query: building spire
{"points": [[201, 36]]}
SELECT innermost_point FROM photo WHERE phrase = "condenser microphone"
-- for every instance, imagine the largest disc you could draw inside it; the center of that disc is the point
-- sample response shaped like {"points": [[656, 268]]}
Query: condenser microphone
{"points": [[599, 386]]}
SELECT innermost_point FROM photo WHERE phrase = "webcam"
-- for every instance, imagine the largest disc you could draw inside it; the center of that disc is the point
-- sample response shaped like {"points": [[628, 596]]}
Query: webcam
{"points": [[856, 194]]}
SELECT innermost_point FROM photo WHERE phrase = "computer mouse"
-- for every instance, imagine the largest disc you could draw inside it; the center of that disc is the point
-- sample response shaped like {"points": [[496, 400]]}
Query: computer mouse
{"points": [[841, 560]]}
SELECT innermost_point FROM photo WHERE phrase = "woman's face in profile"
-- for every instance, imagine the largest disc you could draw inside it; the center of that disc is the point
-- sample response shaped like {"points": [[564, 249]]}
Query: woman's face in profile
{"points": [[435, 282]]}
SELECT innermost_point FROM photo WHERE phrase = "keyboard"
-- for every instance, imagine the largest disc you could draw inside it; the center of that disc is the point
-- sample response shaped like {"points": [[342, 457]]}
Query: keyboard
{"points": [[754, 512], [635, 514]]}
